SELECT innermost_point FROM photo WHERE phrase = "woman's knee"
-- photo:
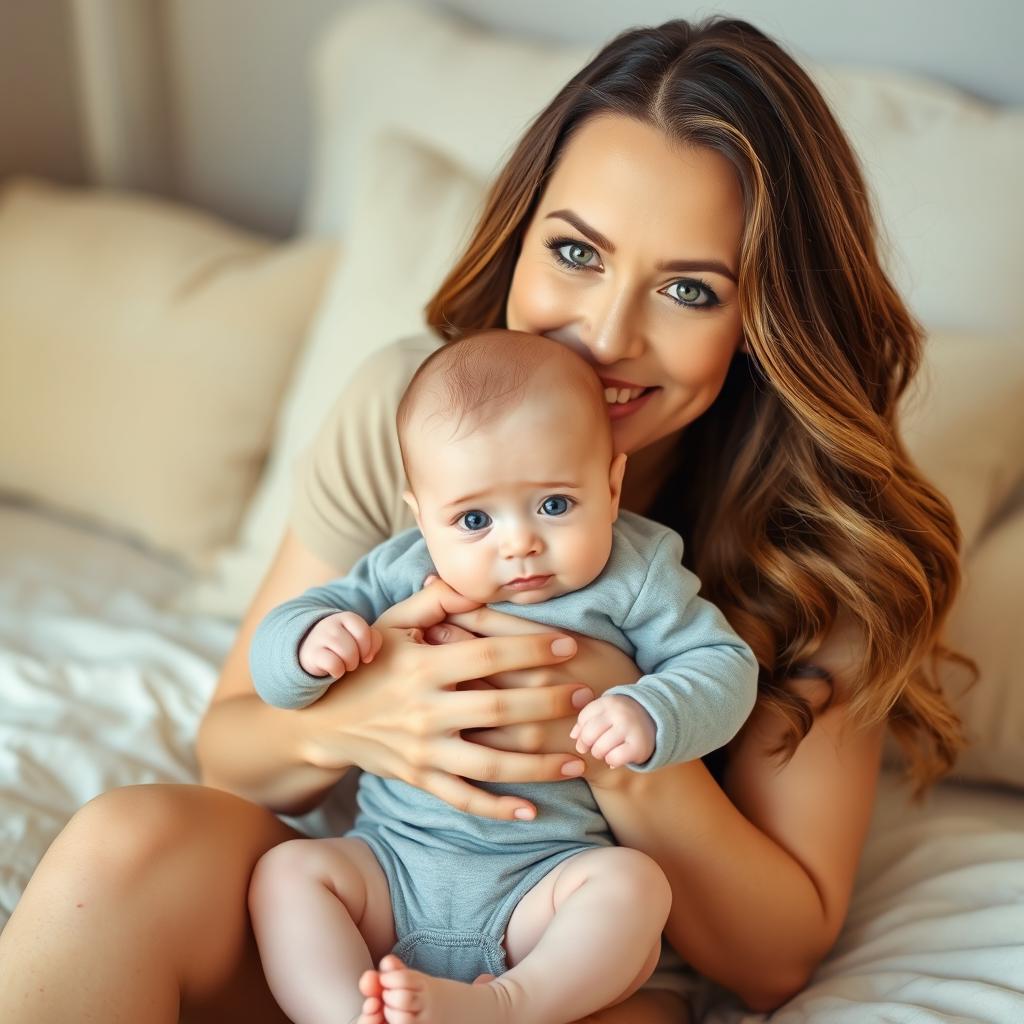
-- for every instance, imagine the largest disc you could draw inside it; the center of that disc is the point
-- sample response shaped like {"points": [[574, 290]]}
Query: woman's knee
{"points": [[129, 832]]}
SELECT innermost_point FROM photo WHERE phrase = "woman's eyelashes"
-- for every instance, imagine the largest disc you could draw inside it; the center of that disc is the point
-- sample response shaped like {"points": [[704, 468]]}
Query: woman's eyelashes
{"points": [[553, 506], [576, 255]]}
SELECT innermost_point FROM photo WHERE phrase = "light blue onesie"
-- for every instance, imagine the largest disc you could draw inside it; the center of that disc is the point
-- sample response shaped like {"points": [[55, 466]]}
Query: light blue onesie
{"points": [[456, 878]]}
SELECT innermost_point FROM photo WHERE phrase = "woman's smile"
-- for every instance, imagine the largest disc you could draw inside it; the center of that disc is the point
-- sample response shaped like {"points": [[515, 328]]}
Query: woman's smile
{"points": [[645, 292]]}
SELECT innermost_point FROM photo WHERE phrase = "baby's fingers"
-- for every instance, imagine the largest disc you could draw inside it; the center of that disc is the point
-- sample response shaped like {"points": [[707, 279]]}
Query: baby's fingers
{"points": [[611, 739], [619, 756], [376, 642], [324, 662], [343, 644], [360, 631], [589, 733]]}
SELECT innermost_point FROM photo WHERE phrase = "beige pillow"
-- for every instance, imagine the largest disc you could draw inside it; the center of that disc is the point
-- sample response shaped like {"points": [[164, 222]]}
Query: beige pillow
{"points": [[986, 625], [963, 422], [415, 212], [144, 349]]}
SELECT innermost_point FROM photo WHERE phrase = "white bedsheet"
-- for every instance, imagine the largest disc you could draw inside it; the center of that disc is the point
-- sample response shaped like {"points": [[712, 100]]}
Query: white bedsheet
{"points": [[102, 682]]}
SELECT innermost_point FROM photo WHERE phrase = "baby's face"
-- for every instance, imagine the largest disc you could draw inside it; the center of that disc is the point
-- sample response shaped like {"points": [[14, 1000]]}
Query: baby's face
{"points": [[528, 497]]}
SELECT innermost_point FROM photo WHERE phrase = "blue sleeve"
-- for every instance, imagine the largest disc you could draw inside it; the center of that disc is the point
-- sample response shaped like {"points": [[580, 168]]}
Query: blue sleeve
{"points": [[274, 654], [700, 681]]}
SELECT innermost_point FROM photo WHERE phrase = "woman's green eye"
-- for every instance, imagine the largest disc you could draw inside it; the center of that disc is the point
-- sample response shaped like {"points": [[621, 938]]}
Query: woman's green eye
{"points": [[691, 293], [574, 254]]}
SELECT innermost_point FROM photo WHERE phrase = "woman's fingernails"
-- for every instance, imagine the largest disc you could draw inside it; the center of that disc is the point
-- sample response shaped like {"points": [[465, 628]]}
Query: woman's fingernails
{"points": [[581, 698], [524, 813], [573, 768], [564, 645]]}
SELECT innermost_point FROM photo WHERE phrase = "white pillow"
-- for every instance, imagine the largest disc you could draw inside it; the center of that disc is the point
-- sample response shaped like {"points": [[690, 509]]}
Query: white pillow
{"points": [[413, 217], [943, 167], [144, 348]]}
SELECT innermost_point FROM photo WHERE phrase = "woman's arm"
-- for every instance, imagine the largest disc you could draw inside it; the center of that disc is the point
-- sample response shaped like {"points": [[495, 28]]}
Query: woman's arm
{"points": [[244, 745], [399, 716], [761, 873]]}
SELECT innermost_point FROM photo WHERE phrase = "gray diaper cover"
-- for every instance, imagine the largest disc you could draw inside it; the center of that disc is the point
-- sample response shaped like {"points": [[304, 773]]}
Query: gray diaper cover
{"points": [[452, 904]]}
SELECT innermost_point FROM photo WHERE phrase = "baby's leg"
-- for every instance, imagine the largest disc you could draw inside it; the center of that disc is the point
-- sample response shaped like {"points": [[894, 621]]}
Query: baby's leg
{"points": [[321, 912], [585, 937]]}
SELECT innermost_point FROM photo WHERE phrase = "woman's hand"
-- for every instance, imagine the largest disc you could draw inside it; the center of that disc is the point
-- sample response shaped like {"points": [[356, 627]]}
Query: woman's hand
{"points": [[596, 664], [400, 716]]}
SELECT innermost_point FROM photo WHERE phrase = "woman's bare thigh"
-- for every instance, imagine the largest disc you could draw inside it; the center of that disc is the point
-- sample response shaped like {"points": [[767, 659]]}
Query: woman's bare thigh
{"points": [[138, 912]]}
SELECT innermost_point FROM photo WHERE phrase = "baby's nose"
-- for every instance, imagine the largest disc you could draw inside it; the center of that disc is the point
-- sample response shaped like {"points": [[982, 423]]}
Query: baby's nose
{"points": [[521, 542]]}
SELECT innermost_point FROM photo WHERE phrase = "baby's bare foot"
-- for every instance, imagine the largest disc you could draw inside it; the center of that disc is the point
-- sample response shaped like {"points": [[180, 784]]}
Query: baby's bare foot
{"points": [[411, 997], [373, 1008]]}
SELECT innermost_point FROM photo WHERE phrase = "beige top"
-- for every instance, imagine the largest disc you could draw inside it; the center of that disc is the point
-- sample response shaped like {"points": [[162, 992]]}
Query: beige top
{"points": [[348, 484]]}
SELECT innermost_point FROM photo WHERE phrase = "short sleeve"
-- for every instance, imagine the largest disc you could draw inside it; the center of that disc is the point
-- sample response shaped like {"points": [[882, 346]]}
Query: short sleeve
{"points": [[347, 486]]}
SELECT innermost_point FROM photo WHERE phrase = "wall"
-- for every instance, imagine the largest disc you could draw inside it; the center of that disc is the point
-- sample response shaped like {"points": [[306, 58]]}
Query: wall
{"points": [[234, 100], [38, 107]]}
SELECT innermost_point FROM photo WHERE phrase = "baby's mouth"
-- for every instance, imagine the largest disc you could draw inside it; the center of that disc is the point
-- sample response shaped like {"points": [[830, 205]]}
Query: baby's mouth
{"points": [[528, 582]]}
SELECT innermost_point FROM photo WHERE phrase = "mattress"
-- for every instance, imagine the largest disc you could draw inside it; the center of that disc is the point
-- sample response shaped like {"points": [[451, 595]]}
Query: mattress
{"points": [[103, 679]]}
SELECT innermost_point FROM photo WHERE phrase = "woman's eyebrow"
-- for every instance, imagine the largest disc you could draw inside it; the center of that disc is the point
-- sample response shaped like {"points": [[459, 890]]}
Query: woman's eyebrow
{"points": [[667, 266]]}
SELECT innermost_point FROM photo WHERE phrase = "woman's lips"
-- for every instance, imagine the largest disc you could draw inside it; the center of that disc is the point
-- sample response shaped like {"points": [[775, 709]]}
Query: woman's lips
{"points": [[528, 583], [616, 410]]}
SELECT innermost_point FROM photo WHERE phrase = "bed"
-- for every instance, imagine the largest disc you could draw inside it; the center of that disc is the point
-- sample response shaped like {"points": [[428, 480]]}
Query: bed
{"points": [[145, 459]]}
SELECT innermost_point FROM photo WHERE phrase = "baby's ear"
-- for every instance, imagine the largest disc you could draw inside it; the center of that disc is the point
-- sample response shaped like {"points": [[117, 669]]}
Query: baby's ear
{"points": [[410, 499], [615, 474]]}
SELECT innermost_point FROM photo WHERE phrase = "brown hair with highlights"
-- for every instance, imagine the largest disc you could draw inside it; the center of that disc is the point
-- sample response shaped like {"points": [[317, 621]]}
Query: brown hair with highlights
{"points": [[795, 495]]}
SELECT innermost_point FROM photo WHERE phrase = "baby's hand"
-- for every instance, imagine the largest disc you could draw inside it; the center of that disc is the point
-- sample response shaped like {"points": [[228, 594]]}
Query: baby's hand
{"points": [[616, 730], [338, 644]]}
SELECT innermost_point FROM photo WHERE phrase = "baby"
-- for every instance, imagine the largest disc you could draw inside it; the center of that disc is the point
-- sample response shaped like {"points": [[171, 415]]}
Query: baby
{"points": [[515, 487]]}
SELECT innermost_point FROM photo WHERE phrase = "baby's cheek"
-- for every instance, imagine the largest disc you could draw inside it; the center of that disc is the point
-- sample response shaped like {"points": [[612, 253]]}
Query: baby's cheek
{"points": [[462, 570], [586, 553]]}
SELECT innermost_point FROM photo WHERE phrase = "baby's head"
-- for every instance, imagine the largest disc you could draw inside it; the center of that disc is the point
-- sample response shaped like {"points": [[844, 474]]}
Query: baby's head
{"points": [[507, 447]]}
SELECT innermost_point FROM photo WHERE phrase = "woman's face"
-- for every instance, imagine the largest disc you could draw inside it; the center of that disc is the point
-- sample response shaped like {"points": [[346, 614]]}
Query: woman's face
{"points": [[632, 259]]}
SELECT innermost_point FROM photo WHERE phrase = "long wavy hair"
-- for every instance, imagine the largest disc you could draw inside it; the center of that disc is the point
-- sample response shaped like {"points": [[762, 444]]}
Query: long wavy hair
{"points": [[810, 505]]}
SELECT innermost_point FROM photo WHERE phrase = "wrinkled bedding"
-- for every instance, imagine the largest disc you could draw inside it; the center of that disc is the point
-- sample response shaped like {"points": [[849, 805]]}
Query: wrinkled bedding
{"points": [[102, 682]]}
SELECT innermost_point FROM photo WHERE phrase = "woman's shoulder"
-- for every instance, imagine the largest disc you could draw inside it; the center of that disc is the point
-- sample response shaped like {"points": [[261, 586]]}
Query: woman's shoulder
{"points": [[349, 480], [369, 400], [405, 355]]}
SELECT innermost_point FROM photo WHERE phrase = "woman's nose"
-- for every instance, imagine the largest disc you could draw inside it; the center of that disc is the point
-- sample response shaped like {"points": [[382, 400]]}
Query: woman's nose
{"points": [[614, 331]]}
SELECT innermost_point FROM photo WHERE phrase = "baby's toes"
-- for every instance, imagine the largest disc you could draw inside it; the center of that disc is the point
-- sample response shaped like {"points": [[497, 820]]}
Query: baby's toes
{"points": [[408, 999]]}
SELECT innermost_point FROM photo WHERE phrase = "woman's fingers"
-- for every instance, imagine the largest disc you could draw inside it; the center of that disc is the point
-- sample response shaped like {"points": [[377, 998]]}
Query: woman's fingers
{"points": [[483, 656], [484, 621], [426, 607], [471, 761], [482, 709], [443, 633], [473, 800]]}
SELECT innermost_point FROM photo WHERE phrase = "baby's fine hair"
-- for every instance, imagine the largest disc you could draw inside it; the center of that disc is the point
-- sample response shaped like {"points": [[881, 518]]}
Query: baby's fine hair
{"points": [[476, 379]]}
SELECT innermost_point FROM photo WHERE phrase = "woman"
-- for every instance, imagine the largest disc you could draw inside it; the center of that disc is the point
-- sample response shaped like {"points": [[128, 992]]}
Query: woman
{"points": [[688, 216]]}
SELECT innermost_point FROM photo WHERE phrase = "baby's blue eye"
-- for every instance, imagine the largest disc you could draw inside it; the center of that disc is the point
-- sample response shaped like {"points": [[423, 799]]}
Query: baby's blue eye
{"points": [[556, 505], [476, 520]]}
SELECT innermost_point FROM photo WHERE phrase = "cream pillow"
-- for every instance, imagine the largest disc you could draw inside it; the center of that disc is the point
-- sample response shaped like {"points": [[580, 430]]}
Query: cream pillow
{"points": [[986, 625], [963, 422], [143, 351], [414, 215]]}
